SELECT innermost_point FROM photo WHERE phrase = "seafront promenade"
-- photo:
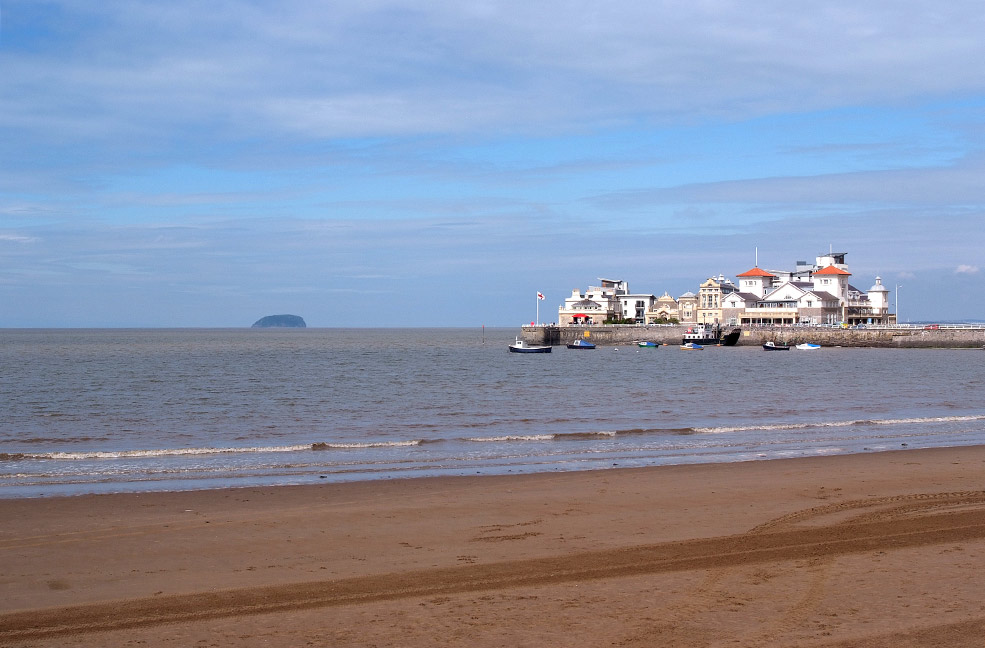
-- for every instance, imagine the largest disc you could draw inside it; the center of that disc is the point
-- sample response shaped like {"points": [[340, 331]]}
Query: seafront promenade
{"points": [[963, 336]]}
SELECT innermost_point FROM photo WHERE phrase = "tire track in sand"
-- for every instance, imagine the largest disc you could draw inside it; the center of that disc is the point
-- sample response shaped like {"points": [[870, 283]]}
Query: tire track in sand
{"points": [[815, 570], [918, 529], [900, 505]]}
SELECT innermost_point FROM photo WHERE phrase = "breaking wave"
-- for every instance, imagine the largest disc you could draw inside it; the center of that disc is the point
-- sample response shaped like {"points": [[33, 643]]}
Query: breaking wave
{"points": [[324, 446], [834, 424], [179, 452]]}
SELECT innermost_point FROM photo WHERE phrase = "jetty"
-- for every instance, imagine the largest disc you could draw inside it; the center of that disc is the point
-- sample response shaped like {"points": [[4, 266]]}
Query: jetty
{"points": [[902, 336]]}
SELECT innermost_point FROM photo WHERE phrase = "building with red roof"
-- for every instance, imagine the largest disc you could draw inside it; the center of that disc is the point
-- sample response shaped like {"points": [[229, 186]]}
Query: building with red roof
{"points": [[812, 294]]}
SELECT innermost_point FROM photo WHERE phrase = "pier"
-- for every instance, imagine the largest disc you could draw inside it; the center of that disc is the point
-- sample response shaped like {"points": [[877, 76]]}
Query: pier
{"points": [[935, 336]]}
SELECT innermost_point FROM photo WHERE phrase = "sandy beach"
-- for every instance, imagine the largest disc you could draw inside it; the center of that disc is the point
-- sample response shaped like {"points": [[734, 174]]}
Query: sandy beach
{"points": [[882, 549]]}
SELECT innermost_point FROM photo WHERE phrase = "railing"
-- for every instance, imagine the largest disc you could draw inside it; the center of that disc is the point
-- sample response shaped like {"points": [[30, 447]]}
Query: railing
{"points": [[874, 327], [879, 327], [926, 327]]}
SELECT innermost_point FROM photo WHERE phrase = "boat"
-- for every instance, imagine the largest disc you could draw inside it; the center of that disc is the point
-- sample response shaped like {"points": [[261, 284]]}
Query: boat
{"points": [[705, 334], [521, 346], [806, 346], [691, 346], [647, 345], [773, 346], [581, 344]]}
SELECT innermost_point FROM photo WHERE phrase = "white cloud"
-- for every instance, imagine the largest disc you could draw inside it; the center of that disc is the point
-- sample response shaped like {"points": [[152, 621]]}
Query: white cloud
{"points": [[356, 67], [966, 269], [17, 238], [957, 183]]}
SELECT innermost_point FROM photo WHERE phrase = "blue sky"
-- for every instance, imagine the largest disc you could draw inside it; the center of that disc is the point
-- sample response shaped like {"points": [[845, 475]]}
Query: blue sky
{"points": [[384, 163]]}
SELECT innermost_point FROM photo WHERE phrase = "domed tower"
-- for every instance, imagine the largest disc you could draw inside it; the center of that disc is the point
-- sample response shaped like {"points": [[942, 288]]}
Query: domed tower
{"points": [[879, 300]]}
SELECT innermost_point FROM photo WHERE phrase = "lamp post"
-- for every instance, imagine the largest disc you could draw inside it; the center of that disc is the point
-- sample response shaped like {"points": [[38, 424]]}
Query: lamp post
{"points": [[897, 305]]}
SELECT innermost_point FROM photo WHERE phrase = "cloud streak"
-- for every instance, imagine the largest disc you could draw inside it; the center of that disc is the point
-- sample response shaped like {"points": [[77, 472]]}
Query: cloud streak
{"points": [[296, 151], [380, 68]]}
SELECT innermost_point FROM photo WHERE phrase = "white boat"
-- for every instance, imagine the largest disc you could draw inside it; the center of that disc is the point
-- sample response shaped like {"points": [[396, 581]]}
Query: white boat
{"points": [[806, 346], [708, 334], [691, 346], [520, 346]]}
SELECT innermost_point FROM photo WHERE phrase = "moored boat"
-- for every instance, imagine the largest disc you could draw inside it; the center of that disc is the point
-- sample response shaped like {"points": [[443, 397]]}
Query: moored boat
{"points": [[581, 344], [521, 346], [807, 346], [691, 346], [647, 345], [705, 334], [773, 346]]}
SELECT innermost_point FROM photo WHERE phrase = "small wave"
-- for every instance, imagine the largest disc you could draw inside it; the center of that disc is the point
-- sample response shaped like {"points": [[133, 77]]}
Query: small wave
{"points": [[165, 452], [557, 436], [512, 437], [602, 434], [832, 424], [725, 429], [185, 452], [649, 431], [932, 419], [49, 440], [368, 444]]}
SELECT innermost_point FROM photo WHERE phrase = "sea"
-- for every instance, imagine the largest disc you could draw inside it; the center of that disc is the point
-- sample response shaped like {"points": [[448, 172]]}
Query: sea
{"points": [[112, 410]]}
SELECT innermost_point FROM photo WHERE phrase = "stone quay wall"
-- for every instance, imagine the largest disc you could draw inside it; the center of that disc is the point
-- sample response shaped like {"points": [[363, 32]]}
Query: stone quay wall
{"points": [[902, 337]]}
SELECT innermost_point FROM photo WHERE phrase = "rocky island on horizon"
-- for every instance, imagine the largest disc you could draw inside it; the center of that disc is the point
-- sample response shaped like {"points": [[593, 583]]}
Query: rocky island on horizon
{"points": [[280, 321]]}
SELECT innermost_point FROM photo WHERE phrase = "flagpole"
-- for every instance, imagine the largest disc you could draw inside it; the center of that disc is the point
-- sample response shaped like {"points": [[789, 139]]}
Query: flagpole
{"points": [[538, 308]]}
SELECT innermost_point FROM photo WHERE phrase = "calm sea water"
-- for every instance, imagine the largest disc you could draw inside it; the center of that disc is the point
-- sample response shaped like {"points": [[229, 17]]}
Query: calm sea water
{"points": [[90, 411]]}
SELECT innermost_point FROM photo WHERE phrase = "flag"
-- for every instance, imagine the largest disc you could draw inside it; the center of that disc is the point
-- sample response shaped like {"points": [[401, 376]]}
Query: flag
{"points": [[540, 295]]}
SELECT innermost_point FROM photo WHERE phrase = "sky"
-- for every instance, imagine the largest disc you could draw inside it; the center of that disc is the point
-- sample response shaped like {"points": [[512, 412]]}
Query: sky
{"points": [[387, 163]]}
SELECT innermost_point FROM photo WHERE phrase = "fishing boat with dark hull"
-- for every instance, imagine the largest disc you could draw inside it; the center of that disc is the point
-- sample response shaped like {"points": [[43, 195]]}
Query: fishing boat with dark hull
{"points": [[521, 346], [712, 335], [581, 344], [775, 346]]}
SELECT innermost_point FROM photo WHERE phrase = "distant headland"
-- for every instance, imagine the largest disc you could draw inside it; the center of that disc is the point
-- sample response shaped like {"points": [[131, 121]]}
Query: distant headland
{"points": [[280, 321]]}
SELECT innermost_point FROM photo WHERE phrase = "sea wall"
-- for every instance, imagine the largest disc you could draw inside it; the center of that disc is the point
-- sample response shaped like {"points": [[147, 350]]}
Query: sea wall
{"points": [[950, 337]]}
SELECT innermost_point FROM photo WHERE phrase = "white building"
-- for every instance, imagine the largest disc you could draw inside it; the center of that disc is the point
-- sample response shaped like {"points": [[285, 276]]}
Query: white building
{"points": [[818, 294], [596, 305]]}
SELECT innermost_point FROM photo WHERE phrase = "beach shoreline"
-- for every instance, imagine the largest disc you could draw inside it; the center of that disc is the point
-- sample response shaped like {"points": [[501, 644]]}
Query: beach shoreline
{"points": [[883, 548]]}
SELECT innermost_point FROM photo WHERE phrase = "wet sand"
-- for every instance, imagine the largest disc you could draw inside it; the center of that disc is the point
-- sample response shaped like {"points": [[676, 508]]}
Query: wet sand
{"points": [[882, 549]]}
